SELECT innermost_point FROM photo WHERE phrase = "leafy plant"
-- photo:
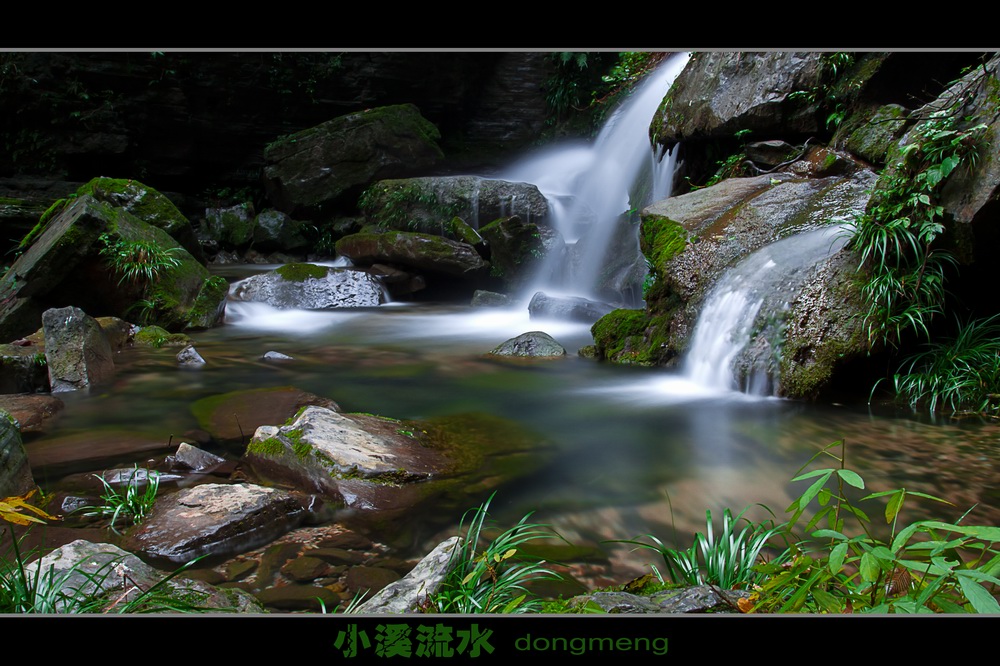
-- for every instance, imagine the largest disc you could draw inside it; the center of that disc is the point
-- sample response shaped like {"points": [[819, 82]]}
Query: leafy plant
{"points": [[138, 262], [896, 235], [490, 577], [132, 503], [923, 567], [728, 560], [960, 374]]}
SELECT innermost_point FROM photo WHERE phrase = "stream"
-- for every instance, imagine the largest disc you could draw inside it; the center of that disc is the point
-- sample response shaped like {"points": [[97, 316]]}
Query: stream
{"points": [[636, 451]]}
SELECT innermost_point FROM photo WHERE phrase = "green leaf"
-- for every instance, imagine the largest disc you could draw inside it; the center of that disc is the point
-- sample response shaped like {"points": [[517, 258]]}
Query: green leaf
{"points": [[851, 478], [894, 505], [837, 556], [985, 533], [869, 568], [982, 601]]}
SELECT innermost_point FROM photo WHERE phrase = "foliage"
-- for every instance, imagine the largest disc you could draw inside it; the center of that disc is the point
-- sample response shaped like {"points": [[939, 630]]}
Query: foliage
{"points": [[825, 93], [896, 235], [923, 567], [133, 503], [137, 262], [729, 560], [961, 374], [18, 510], [490, 577]]}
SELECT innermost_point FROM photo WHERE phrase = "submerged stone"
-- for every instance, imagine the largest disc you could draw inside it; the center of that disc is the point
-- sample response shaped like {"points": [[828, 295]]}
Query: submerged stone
{"points": [[233, 416]]}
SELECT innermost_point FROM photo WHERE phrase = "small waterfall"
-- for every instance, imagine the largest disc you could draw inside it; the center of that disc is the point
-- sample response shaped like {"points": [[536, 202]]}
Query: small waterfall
{"points": [[590, 187], [747, 304]]}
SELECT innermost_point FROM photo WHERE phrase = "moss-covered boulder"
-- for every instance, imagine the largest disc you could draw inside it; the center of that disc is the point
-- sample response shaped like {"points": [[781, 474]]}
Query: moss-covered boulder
{"points": [[430, 204], [106, 261], [691, 241], [147, 204], [518, 247], [378, 463], [318, 169]]}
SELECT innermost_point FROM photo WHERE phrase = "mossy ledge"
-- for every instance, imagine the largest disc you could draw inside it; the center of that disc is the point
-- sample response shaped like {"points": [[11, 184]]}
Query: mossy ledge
{"points": [[301, 272]]}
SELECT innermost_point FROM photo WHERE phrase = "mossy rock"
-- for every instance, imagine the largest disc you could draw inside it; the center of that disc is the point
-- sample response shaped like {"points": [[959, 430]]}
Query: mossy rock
{"points": [[301, 272]]}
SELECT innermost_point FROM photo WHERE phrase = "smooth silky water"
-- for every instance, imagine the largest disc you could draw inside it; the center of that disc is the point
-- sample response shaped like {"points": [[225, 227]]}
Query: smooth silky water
{"points": [[628, 451], [634, 451]]}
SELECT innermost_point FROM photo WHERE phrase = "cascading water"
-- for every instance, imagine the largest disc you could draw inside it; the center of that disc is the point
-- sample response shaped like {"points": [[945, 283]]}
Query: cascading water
{"points": [[589, 187], [748, 302]]}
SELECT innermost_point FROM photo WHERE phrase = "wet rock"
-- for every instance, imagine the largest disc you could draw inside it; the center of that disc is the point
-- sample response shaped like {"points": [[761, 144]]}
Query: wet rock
{"points": [[348, 540], [33, 412], [275, 231], [232, 227], [318, 167], [569, 308], [431, 204], [23, 368], [94, 449], [369, 580], [77, 352], [697, 599], [719, 93], [534, 344], [298, 598], [310, 287], [15, 472], [190, 357], [306, 568], [272, 559], [63, 262], [94, 570], [422, 252], [118, 332], [518, 246], [338, 555], [234, 416], [321, 447], [214, 519], [276, 356], [195, 459], [490, 299], [409, 594]]}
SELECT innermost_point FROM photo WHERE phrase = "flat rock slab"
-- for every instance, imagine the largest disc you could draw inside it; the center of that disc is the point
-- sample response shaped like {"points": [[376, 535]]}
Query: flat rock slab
{"points": [[90, 450], [215, 519], [33, 411]]}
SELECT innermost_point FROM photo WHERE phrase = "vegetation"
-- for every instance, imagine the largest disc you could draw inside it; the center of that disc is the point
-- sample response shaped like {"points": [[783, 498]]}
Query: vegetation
{"points": [[922, 567], [960, 374], [137, 262], [728, 561], [490, 577], [133, 503]]}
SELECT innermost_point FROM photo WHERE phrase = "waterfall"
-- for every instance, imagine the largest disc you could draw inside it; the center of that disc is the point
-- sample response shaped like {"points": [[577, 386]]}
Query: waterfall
{"points": [[590, 186], [747, 304]]}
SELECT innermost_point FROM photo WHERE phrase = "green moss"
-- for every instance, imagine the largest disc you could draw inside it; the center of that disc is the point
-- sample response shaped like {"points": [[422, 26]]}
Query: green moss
{"points": [[43, 221], [301, 272], [206, 307], [140, 200], [269, 447], [661, 239]]}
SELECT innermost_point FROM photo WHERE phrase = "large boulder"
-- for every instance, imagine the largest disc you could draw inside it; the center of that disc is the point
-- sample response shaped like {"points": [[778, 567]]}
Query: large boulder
{"points": [[567, 308], [518, 249], [214, 519], [68, 262], [15, 472], [327, 165], [77, 351], [429, 204], [719, 93], [374, 463], [310, 287], [692, 240]]}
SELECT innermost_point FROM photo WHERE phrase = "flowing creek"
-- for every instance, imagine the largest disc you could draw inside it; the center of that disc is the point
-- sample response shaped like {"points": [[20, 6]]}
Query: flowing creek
{"points": [[634, 451]]}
